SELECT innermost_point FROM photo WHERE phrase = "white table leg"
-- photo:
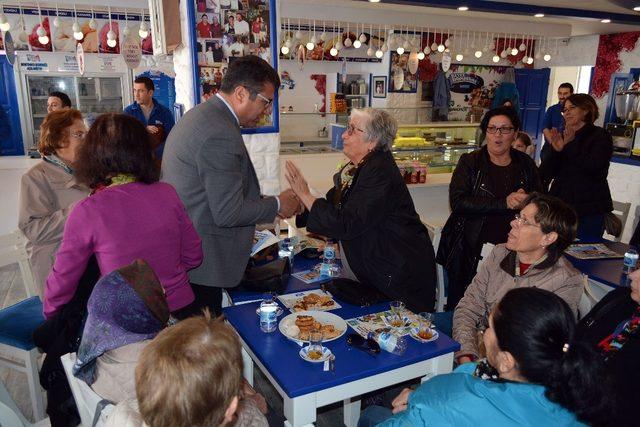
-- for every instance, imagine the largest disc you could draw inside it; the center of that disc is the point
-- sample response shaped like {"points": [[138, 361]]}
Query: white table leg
{"points": [[351, 412], [300, 411], [439, 365], [247, 367]]}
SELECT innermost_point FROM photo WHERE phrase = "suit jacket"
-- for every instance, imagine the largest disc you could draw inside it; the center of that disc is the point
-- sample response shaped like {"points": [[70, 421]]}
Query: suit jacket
{"points": [[384, 241], [47, 193], [206, 160]]}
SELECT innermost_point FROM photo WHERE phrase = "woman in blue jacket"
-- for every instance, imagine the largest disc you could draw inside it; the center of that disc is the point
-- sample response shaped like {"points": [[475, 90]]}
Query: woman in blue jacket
{"points": [[536, 375]]}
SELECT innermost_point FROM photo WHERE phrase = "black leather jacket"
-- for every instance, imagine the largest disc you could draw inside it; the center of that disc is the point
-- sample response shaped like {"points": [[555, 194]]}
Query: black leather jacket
{"points": [[471, 201]]}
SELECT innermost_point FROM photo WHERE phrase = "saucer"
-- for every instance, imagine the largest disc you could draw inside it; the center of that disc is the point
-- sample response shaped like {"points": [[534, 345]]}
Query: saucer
{"points": [[414, 335], [326, 353]]}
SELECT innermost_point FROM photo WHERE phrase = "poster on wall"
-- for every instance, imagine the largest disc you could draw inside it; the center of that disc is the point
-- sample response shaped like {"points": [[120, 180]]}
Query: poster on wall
{"points": [[63, 39], [223, 30], [472, 88], [401, 80]]}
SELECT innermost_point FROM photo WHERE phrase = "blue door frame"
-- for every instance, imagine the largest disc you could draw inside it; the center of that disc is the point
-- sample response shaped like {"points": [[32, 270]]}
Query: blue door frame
{"points": [[10, 130], [533, 85]]}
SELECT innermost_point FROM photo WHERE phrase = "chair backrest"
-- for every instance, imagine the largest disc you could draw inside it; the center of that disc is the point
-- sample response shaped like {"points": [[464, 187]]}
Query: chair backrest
{"points": [[87, 400], [435, 233], [10, 415], [621, 210], [586, 301], [13, 251]]}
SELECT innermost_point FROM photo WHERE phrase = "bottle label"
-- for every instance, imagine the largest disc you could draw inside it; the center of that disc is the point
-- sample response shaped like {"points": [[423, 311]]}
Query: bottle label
{"points": [[329, 253], [386, 342]]}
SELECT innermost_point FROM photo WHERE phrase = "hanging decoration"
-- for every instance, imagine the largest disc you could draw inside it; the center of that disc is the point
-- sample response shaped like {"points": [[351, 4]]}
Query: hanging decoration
{"points": [[608, 59]]}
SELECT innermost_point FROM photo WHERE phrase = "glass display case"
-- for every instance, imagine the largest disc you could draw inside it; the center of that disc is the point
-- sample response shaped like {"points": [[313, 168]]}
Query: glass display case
{"points": [[420, 146], [90, 95]]}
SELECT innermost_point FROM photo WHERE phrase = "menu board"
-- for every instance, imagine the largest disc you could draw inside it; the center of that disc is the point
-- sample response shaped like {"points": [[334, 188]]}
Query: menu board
{"points": [[223, 30]]}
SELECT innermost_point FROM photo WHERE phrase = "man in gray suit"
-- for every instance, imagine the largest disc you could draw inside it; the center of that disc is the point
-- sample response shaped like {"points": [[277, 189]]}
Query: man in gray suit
{"points": [[206, 160]]}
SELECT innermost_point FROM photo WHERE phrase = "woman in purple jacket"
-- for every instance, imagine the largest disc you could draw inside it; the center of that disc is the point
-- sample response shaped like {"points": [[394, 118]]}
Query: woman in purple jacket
{"points": [[129, 216]]}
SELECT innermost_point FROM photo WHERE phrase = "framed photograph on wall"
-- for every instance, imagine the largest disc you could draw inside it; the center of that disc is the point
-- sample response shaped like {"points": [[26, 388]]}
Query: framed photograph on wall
{"points": [[400, 78], [221, 31], [379, 87]]}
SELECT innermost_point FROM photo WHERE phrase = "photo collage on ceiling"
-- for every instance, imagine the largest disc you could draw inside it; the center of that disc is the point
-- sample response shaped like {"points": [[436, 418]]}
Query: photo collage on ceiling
{"points": [[228, 29]]}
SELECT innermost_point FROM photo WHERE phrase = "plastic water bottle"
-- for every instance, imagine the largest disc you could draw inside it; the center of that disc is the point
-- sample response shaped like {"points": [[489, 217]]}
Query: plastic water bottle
{"points": [[328, 266], [286, 248], [630, 260], [390, 342], [268, 315]]}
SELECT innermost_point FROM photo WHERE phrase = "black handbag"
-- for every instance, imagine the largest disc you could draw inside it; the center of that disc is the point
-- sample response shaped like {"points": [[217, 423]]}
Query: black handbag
{"points": [[354, 293], [270, 277]]}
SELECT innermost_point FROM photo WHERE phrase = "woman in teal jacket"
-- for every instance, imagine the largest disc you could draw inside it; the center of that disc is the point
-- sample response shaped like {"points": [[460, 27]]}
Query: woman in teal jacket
{"points": [[536, 375]]}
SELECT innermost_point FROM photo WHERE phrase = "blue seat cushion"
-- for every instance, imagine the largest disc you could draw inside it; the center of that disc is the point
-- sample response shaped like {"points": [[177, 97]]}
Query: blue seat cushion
{"points": [[18, 322], [444, 321]]}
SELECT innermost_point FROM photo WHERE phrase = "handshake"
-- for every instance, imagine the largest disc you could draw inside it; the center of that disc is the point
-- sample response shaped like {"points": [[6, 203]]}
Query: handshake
{"points": [[290, 205]]}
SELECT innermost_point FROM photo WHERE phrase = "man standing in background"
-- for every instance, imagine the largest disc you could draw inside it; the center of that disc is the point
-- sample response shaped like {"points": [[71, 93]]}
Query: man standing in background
{"points": [[209, 166], [157, 118], [553, 116]]}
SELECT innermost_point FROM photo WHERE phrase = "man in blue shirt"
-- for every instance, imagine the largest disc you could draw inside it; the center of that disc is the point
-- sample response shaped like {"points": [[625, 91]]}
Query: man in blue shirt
{"points": [[156, 117], [553, 117]]}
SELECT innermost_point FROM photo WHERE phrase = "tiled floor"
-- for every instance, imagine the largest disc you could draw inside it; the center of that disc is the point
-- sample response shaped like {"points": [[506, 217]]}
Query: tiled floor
{"points": [[12, 290]]}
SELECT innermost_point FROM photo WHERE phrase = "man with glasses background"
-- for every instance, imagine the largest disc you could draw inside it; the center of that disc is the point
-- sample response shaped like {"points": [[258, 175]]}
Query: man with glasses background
{"points": [[207, 162]]}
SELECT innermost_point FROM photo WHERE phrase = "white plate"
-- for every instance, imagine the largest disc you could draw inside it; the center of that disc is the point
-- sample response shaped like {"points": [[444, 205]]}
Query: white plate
{"points": [[414, 335], [326, 353], [290, 300], [323, 317]]}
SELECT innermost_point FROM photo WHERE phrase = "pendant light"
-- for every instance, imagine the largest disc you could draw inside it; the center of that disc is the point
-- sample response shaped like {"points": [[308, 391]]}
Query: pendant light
{"points": [[466, 48], [143, 32], [298, 33], [339, 44], [421, 54], [514, 50], [43, 39], [357, 43], [427, 49], [539, 49], [441, 47], [400, 49], [381, 50], [56, 20], [370, 51], [323, 35], [126, 31], [22, 33], [485, 47], [547, 56], [312, 41], [434, 45], [5, 25], [77, 31], [504, 52], [478, 52], [407, 44], [111, 35], [347, 41], [92, 22], [288, 43], [523, 46]]}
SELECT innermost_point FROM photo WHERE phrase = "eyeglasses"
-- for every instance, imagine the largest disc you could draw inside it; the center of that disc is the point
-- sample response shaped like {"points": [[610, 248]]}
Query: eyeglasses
{"points": [[502, 131], [520, 220], [266, 100], [78, 135], [368, 345], [351, 129]]}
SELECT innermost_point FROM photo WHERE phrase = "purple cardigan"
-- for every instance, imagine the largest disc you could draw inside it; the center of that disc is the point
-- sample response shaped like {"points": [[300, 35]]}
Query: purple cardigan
{"points": [[120, 224]]}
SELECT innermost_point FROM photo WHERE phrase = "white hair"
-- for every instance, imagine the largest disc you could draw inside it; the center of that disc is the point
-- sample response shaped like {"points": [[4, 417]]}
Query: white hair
{"points": [[380, 127]]}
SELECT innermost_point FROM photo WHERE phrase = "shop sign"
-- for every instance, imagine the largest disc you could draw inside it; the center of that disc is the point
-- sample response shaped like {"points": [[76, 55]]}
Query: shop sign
{"points": [[462, 82], [32, 62], [69, 63], [106, 64], [10, 49], [131, 52], [80, 58], [446, 61]]}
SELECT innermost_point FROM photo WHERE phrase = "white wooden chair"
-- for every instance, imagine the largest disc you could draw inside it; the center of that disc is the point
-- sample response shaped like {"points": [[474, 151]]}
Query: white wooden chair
{"points": [[17, 322], [90, 404], [621, 210], [435, 233], [10, 414], [484, 253]]}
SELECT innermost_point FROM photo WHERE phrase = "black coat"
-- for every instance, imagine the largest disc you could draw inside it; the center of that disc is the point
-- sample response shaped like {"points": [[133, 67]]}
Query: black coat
{"points": [[384, 241], [579, 172], [622, 367], [471, 202]]}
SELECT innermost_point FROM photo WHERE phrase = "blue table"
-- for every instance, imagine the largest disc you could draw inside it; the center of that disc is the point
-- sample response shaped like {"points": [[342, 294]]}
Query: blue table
{"points": [[605, 271], [304, 386]]}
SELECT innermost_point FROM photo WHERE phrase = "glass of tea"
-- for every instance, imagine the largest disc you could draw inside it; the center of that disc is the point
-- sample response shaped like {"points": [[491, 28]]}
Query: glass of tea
{"points": [[314, 351]]}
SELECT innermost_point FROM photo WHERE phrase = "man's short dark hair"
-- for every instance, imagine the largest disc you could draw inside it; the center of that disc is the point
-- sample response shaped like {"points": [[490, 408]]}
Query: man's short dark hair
{"points": [[66, 101], [148, 83], [566, 86], [251, 72]]}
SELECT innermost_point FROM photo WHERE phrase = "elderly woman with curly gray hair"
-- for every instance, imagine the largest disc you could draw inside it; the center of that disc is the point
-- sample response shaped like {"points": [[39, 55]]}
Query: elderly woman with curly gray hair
{"points": [[370, 212]]}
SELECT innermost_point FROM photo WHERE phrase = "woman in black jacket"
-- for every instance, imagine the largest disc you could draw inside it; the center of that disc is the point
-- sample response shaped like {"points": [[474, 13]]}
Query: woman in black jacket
{"points": [[613, 327], [485, 193], [370, 211], [577, 160]]}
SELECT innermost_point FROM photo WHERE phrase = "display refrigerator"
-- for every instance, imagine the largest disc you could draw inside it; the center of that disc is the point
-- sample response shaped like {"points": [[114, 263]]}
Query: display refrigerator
{"points": [[95, 92]]}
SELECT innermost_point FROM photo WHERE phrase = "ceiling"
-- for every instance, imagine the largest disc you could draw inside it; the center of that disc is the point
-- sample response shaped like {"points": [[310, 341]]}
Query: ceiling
{"points": [[583, 16]]}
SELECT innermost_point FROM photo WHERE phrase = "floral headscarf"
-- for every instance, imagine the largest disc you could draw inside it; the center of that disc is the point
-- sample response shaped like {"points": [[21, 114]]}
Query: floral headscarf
{"points": [[126, 306]]}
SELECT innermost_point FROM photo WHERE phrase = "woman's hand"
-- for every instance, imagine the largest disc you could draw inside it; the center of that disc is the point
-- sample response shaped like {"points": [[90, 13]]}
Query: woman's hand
{"points": [[569, 134], [515, 199], [558, 140], [299, 184], [400, 402]]}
